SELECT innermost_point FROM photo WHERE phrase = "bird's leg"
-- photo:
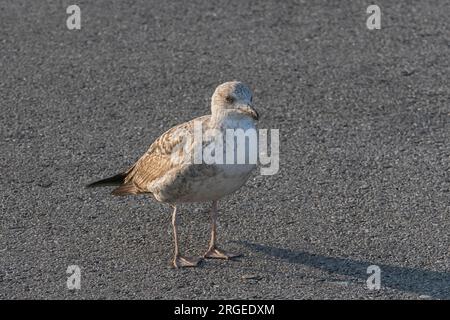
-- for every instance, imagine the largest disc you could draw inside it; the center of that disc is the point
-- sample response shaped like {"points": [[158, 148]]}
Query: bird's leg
{"points": [[214, 252], [178, 260]]}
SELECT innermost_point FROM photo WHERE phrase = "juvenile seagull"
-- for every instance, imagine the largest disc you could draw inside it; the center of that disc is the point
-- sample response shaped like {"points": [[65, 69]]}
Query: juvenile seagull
{"points": [[160, 173]]}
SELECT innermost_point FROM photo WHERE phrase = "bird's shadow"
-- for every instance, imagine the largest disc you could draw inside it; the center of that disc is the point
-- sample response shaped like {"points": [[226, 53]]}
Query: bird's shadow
{"points": [[424, 282]]}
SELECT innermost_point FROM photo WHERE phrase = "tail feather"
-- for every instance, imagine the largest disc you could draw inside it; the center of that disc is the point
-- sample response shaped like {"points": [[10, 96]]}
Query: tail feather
{"points": [[116, 180], [125, 190]]}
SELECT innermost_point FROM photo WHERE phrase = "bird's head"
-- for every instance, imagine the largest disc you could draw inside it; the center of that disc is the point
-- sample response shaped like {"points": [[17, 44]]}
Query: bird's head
{"points": [[233, 98]]}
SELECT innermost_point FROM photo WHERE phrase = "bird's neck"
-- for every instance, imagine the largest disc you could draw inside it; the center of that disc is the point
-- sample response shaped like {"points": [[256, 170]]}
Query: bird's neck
{"points": [[232, 120]]}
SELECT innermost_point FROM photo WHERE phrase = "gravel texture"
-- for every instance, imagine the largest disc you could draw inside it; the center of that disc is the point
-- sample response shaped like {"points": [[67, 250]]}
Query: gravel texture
{"points": [[364, 119]]}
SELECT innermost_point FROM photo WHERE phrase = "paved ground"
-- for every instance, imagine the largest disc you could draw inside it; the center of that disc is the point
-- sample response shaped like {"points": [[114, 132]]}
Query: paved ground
{"points": [[365, 157]]}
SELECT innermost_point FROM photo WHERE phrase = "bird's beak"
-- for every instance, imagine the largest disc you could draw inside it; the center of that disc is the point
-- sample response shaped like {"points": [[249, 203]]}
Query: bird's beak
{"points": [[250, 110]]}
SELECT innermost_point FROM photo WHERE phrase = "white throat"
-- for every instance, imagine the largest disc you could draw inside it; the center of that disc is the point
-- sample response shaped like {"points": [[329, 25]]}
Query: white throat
{"points": [[233, 120]]}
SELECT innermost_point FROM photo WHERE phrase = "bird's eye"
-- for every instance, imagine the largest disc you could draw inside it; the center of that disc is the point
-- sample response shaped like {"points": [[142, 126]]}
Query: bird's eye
{"points": [[229, 99]]}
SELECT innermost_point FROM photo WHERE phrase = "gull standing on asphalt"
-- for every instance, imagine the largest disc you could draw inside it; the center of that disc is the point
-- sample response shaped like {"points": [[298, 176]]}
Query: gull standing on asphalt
{"points": [[160, 173]]}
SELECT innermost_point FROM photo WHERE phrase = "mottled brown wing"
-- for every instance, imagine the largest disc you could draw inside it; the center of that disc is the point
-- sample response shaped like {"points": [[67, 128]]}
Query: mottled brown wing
{"points": [[157, 161]]}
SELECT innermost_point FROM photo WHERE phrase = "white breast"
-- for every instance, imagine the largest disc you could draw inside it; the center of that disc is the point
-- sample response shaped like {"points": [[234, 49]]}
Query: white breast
{"points": [[231, 176], [206, 182]]}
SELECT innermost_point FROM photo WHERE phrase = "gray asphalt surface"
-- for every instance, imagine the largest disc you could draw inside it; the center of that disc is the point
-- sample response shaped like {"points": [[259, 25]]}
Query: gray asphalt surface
{"points": [[364, 118]]}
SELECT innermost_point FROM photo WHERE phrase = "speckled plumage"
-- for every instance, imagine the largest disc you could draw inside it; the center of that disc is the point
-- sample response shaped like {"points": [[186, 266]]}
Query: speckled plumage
{"points": [[158, 172], [169, 172]]}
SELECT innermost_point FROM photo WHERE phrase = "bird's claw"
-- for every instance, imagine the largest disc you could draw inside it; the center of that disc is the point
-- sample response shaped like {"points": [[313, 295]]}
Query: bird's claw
{"points": [[215, 253], [185, 262]]}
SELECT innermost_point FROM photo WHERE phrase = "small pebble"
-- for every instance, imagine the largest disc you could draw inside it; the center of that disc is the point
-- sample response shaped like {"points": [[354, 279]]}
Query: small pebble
{"points": [[251, 277], [45, 183]]}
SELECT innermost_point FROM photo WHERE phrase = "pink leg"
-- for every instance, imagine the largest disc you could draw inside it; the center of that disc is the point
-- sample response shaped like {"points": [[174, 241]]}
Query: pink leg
{"points": [[178, 260], [213, 252]]}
